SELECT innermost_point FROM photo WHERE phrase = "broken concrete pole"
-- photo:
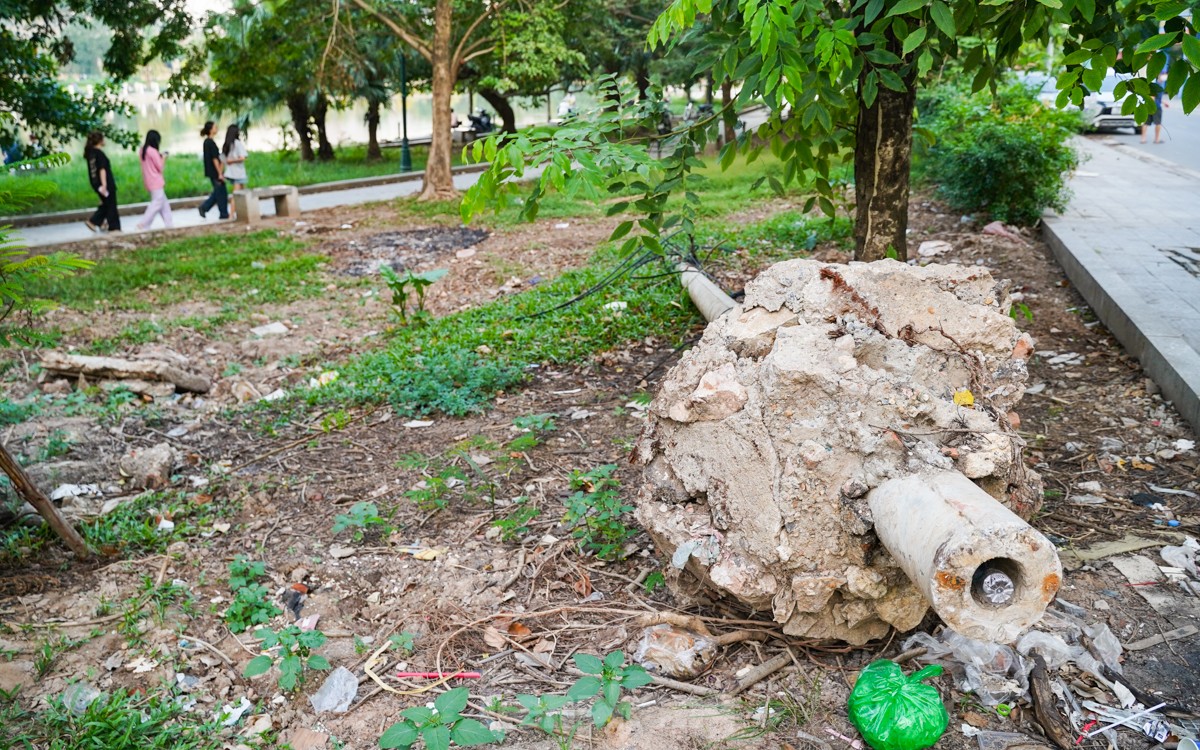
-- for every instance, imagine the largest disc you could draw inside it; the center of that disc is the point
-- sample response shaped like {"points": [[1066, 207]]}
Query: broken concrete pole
{"points": [[111, 368], [988, 574], [764, 442]]}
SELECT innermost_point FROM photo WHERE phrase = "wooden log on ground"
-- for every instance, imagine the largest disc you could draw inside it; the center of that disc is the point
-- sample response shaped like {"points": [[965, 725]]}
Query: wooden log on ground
{"points": [[111, 368], [28, 490]]}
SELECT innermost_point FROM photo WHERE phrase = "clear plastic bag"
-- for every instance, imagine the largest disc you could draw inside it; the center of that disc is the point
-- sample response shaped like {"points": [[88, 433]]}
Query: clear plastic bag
{"points": [[994, 672], [894, 712]]}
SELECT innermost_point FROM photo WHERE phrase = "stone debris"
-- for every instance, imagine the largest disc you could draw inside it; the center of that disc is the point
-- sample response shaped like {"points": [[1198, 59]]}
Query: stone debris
{"points": [[270, 329], [765, 439], [149, 468]]}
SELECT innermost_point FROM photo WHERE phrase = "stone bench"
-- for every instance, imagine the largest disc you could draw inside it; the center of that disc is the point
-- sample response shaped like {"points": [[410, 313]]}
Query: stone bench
{"points": [[245, 202]]}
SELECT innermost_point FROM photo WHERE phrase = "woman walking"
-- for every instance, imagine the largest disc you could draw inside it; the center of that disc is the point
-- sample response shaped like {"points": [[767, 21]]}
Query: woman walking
{"points": [[103, 182], [233, 153], [215, 173], [153, 162]]}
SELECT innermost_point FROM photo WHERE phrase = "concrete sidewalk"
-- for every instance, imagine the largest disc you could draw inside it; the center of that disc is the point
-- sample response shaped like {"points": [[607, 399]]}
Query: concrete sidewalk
{"points": [[189, 216], [1130, 243]]}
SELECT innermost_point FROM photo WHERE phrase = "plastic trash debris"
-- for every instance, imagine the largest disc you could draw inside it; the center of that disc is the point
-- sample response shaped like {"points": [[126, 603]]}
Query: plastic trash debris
{"points": [[79, 696], [674, 651], [1106, 645], [1050, 647], [233, 714], [336, 693], [996, 585], [1007, 741], [894, 712], [992, 671], [1183, 556]]}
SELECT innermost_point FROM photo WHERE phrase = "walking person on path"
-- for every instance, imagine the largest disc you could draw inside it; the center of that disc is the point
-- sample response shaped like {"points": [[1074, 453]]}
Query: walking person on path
{"points": [[215, 173], [153, 162], [101, 177], [1156, 118], [233, 153]]}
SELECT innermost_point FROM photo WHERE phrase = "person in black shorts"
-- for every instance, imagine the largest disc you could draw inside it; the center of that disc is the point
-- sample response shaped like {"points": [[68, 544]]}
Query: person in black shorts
{"points": [[100, 175], [1156, 118], [214, 170]]}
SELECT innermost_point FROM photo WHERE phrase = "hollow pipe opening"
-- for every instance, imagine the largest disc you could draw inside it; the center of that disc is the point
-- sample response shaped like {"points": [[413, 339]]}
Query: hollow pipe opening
{"points": [[996, 582]]}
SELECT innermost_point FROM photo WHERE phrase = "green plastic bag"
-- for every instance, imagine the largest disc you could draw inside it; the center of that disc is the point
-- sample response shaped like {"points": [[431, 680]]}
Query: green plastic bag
{"points": [[894, 712]]}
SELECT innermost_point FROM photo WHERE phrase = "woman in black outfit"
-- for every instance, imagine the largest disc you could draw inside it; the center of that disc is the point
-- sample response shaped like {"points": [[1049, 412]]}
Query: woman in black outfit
{"points": [[215, 172], [103, 182]]}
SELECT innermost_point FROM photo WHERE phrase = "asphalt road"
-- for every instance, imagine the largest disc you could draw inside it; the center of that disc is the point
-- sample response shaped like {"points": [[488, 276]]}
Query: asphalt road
{"points": [[1180, 134]]}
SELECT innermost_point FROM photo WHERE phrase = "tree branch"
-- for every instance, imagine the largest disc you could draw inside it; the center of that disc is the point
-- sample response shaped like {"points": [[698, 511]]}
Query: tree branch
{"points": [[405, 35], [460, 51]]}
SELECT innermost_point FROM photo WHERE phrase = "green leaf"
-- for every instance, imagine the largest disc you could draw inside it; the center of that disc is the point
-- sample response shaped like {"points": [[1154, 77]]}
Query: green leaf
{"points": [[906, 6], [399, 735], [943, 18], [913, 40], [1191, 49], [611, 693], [1191, 93], [451, 703], [437, 737], [622, 229], [1087, 8], [589, 664], [635, 677], [614, 660], [258, 665], [601, 713], [316, 661], [1077, 57], [467, 732], [417, 714], [585, 688], [1157, 42]]}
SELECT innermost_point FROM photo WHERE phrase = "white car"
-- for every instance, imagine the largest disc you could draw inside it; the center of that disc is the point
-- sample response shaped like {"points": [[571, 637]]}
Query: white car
{"points": [[1102, 109]]}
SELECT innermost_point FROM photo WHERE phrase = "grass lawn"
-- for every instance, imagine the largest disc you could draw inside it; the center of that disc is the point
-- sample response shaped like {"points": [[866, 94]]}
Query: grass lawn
{"points": [[185, 174]]}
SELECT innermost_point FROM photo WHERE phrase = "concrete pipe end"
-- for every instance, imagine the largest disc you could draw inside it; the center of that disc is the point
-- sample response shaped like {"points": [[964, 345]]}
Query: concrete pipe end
{"points": [[994, 591]]}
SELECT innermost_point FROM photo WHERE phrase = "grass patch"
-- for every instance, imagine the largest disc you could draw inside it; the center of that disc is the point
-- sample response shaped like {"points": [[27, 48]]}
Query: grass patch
{"points": [[118, 721], [249, 269], [185, 173], [131, 530], [457, 364]]}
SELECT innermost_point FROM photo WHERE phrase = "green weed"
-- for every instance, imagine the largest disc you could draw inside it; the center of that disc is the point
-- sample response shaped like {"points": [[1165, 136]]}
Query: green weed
{"points": [[594, 511], [294, 655], [439, 726], [361, 517], [251, 603], [516, 523]]}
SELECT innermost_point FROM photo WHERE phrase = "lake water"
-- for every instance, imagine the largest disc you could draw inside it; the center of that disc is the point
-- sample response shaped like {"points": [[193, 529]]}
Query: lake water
{"points": [[180, 123]]}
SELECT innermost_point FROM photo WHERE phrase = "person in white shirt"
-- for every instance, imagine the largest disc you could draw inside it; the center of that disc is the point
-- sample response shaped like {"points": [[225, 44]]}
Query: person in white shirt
{"points": [[233, 154]]}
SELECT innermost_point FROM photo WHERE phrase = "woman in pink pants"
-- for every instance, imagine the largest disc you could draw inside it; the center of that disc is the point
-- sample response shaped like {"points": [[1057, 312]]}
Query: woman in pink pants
{"points": [[152, 177]]}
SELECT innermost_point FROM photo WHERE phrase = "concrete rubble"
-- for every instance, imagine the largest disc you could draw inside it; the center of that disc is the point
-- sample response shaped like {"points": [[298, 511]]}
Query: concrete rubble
{"points": [[764, 441]]}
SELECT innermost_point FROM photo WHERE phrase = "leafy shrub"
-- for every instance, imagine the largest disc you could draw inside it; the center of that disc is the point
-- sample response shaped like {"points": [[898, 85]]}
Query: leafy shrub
{"points": [[1006, 156], [595, 511]]}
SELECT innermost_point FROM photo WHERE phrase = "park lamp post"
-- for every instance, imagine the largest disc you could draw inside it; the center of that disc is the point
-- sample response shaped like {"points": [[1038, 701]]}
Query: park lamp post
{"points": [[405, 155]]}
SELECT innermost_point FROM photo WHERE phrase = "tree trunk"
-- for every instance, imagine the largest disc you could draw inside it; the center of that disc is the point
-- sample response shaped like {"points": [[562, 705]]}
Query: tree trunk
{"points": [[726, 98], [298, 106], [373, 151], [324, 147], [439, 180], [882, 159], [508, 118], [28, 490], [642, 78]]}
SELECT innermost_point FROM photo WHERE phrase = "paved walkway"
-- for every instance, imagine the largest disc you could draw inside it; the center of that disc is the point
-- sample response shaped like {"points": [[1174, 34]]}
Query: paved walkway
{"points": [[1130, 243], [54, 234]]}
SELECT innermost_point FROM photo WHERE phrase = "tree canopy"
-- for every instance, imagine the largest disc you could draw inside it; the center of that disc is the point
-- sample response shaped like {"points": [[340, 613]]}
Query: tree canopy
{"points": [[34, 43], [840, 79]]}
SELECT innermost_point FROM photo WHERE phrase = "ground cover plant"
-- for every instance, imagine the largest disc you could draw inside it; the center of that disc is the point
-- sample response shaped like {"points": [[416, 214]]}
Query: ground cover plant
{"points": [[185, 174]]}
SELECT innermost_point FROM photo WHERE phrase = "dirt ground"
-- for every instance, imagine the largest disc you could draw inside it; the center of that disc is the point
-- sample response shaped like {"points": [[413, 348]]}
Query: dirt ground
{"points": [[517, 607]]}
